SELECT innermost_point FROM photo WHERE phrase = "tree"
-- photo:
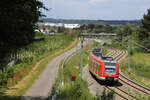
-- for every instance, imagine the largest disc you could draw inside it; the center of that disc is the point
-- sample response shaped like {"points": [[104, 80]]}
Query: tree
{"points": [[107, 95], [127, 30], [91, 26], [144, 32], [17, 21], [120, 32], [108, 28], [124, 31]]}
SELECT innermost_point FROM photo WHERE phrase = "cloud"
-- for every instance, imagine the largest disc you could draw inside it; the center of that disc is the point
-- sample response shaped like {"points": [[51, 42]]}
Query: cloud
{"points": [[98, 1], [97, 9]]}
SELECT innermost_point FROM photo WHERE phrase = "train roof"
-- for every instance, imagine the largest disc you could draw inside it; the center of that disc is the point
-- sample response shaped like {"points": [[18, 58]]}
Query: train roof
{"points": [[97, 52]]}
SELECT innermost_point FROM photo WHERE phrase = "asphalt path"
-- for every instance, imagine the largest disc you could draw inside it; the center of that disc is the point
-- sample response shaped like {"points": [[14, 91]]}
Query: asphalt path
{"points": [[42, 87]]}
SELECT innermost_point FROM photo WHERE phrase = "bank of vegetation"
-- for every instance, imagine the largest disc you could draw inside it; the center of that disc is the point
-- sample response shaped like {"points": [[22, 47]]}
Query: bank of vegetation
{"points": [[30, 55], [99, 28]]}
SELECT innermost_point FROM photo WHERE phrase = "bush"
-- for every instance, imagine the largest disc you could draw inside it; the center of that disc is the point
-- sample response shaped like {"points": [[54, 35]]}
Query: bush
{"points": [[107, 95], [75, 91]]}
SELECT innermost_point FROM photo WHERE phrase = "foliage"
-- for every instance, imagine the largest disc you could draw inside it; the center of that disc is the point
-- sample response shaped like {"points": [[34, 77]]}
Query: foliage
{"points": [[17, 21], [124, 31], [145, 27], [98, 28], [107, 95], [75, 91], [144, 32], [142, 96]]}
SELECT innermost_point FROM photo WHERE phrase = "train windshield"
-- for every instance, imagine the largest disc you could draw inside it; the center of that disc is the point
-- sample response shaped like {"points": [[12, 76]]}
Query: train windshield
{"points": [[110, 68]]}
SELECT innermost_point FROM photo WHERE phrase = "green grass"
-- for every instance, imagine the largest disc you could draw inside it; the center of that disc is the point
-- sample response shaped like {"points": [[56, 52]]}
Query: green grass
{"points": [[75, 91], [139, 68], [142, 96]]}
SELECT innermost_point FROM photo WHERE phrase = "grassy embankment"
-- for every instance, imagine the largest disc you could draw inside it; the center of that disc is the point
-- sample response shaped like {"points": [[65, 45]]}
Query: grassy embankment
{"points": [[42, 52], [77, 90], [139, 70]]}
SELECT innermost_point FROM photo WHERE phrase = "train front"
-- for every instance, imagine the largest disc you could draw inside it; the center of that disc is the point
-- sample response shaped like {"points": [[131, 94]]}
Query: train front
{"points": [[111, 70]]}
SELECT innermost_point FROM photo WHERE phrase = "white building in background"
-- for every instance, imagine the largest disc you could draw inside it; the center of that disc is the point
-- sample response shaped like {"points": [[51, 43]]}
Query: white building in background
{"points": [[71, 26], [54, 24]]}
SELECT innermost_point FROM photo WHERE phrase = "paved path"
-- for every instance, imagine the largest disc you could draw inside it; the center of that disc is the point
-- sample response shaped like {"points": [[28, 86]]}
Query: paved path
{"points": [[42, 87]]}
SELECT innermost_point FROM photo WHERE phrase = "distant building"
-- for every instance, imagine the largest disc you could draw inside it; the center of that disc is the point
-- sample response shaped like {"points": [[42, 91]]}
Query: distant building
{"points": [[54, 24], [47, 24], [84, 31], [46, 30], [71, 26]]}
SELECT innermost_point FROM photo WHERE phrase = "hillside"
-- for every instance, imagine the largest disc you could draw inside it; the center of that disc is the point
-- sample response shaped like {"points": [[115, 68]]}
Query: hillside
{"points": [[71, 21]]}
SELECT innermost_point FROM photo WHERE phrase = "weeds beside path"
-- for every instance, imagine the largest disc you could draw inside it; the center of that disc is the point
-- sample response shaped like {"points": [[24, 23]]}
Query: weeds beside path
{"points": [[23, 85]]}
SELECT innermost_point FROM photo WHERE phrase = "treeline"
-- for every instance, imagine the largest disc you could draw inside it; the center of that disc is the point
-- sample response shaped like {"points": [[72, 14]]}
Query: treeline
{"points": [[80, 21], [98, 28], [17, 21]]}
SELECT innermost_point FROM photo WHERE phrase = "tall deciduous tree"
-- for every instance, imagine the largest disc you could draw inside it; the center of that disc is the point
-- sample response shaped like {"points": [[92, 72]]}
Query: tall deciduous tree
{"points": [[124, 31], [17, 21]]}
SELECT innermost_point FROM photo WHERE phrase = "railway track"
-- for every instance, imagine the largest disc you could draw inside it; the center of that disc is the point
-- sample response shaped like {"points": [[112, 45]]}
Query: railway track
{"points": [[119, 91], [127, 90], [126, 81]]}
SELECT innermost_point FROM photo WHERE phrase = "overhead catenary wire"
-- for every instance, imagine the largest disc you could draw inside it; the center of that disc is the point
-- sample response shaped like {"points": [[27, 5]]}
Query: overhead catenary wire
{"points": [[142, 46]]}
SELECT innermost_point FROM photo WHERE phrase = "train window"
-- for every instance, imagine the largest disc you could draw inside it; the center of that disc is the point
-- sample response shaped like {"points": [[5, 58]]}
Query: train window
{"points": [[109, 64], [110, 70], [97, 66]]}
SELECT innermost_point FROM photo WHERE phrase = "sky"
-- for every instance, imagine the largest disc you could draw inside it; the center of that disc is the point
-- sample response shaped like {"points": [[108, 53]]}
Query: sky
{"points": [[96, 9]]}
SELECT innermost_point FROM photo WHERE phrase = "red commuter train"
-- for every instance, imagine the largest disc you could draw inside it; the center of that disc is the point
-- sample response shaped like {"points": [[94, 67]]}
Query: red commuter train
{"points": [[104, 68]]}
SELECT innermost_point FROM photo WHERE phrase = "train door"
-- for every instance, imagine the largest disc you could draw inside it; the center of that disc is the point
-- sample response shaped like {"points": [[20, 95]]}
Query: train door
{"points": [[99, 68]]}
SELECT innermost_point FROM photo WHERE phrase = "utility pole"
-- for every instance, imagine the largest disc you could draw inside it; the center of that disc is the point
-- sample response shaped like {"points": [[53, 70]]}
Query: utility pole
{"points": [[132, 42], [81, 56], [62, 74], [129, 52]]}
